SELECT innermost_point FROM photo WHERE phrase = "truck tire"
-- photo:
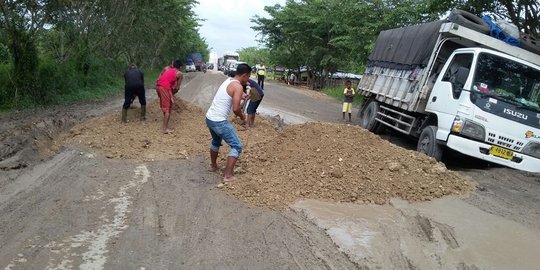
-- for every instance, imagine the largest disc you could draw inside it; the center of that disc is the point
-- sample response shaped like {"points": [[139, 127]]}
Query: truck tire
{"points": [[367, 116], [529, 43], [469, 20], [427, 143], [380, 128]]}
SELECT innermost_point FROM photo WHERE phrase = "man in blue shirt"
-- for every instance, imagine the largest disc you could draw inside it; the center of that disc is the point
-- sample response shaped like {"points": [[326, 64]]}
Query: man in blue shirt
{"points": [[256, 95]]}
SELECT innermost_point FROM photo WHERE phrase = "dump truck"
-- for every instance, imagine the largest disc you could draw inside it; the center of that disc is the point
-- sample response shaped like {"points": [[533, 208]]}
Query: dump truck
{"points": [[453, 87], [197, 61], [230, 57]]}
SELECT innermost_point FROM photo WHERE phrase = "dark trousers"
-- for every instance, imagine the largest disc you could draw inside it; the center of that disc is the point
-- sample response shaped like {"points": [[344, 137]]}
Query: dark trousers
{"points": [[260, 80], [132, 91]]}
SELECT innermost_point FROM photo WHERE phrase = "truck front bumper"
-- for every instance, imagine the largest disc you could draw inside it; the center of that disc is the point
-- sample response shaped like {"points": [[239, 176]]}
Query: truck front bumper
{"points": [[481, 150]]}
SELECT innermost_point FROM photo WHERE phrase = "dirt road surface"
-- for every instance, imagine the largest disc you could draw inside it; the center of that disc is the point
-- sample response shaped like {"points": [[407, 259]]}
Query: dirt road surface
{"points": [[80, 190]]}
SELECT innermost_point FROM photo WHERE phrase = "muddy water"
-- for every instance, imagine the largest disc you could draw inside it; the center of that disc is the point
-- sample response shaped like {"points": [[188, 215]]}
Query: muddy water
{"points": [[443, 234]]}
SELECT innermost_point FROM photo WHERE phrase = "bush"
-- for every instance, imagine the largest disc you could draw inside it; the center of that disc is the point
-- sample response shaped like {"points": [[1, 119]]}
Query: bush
{"points": [[66, 83], [6, 87], [69, 82]]}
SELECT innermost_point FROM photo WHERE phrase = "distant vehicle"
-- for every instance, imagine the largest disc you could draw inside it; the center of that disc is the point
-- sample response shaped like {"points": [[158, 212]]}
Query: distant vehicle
{"points": [[220, 64], [211, 66], [190, 67], [196, 59], [227, 67], [230, 57], [232, 68]]}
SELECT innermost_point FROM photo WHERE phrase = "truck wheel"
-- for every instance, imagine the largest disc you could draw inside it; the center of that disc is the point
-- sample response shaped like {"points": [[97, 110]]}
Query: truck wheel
{"points": [[427, 143], [469, 20], [379, 128], [529, 43], [367, 116]]}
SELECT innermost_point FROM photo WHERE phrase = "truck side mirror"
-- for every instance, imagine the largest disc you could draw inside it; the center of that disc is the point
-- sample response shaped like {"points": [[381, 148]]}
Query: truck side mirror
{"points": [[458, 80]]}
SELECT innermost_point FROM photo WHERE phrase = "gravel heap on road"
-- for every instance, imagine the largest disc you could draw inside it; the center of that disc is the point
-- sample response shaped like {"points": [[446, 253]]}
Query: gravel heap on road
{"points": [[143, 140], [339, 163], [315, 160]]}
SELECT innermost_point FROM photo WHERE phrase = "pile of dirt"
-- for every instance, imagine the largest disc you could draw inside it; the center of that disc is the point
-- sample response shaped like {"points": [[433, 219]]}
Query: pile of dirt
{"points": [[315, 160], [339, 163], [144, 140]]}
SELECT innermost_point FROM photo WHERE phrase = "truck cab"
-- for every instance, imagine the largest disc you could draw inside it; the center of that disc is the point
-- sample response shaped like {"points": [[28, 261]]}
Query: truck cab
{"points": [[487, 105]]}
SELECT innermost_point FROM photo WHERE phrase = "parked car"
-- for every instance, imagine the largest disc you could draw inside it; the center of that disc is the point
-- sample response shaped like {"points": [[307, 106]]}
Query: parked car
{"points": [[190, 67]]}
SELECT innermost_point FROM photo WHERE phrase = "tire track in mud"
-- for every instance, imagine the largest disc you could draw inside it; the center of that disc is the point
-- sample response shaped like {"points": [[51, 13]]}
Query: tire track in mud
{"points": [[96, 240]]}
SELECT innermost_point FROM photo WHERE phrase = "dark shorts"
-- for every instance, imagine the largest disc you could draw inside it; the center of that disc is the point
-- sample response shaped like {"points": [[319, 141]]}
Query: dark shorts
{"points": [[253, 105], [130, 92]]}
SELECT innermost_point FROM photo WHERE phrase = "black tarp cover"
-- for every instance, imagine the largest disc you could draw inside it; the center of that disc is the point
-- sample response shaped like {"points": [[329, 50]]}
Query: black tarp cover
{"points": [[406, 47]]}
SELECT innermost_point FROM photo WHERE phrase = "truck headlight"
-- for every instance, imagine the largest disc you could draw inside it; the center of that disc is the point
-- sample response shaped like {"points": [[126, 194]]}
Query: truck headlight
{"points": [[532, 149], [469, 129], [473, 130]]}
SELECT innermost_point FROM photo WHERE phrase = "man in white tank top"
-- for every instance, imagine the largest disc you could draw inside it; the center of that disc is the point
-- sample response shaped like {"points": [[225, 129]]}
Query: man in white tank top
{"points": [[228, 97]]}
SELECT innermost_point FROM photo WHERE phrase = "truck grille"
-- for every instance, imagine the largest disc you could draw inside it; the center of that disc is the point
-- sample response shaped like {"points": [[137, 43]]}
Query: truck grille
{"points": [[506, 142]]}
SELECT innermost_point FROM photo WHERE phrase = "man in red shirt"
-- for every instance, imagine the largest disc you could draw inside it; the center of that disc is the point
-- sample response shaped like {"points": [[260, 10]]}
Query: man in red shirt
{"points": [[168, 82]]}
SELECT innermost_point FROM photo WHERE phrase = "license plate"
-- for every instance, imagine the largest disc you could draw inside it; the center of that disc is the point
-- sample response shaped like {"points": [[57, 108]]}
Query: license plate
{"points": [[501, 152]]}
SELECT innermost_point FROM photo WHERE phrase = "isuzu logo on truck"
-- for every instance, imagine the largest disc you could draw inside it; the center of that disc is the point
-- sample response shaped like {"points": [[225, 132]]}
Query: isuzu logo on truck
{"points": [[515, 114]]}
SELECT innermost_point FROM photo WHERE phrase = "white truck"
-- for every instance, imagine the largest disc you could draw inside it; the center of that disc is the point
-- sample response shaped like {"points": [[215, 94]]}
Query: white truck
{"points": [[454, 87]]}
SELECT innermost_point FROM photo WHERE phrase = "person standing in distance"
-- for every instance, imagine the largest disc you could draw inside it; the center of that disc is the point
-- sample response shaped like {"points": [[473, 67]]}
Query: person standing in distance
{"points": [[261, 72], [348, 94], [228, 97], [168, 82], [134, 87]]}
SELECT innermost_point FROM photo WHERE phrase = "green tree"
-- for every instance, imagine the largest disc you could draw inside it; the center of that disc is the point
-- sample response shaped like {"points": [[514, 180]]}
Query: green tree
{"points": [[22, 21], [331, 35], [57, 47], [254, 55]]}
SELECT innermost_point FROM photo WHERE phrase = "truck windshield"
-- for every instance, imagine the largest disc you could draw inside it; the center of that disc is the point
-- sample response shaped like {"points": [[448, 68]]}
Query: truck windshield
{"points": [[231, 57], [508, 80]]}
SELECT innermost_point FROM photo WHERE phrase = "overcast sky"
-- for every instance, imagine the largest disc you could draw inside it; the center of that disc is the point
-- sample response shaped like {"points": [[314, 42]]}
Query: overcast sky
{"points": [[227, 25]]}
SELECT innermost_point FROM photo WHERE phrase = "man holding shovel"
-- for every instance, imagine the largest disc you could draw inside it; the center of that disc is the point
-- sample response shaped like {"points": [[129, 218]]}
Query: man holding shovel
{"points": [[228, 97]]}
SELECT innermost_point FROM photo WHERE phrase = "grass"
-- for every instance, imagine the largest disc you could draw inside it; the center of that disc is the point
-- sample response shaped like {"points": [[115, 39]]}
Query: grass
{"points": [[113, 88], [150, 77], [102, 92], [90, 93], [337, 92], [67, 89]]}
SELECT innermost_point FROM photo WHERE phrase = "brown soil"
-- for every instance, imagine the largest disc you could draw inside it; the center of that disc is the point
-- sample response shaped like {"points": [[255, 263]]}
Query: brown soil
{"points": [[315, 160], [143, 140], [340, 163]]}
